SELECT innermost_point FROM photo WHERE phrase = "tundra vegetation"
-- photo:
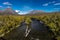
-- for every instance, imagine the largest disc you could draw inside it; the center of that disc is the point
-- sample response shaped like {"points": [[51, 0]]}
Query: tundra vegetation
{"points": [[11, 22]]}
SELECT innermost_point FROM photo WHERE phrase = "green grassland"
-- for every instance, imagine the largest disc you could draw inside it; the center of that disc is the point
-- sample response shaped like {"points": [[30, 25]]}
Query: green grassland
{"points": [[11, 22]]}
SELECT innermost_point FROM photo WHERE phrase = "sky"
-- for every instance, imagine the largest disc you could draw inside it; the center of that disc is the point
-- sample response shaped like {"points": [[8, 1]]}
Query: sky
{"points": [[25, 6]]}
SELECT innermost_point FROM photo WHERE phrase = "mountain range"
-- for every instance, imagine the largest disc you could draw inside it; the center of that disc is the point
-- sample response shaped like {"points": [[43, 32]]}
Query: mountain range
{"points": [[10, 11]]}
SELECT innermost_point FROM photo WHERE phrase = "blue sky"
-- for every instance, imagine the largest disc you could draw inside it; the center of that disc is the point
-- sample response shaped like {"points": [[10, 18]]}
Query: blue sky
{"points": [[29, 5]]}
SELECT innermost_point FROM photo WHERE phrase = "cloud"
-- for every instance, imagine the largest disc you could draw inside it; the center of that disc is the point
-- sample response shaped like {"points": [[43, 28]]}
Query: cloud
{"points": [[22, 12], [53, 1], [17, 11], [56, 9], [7, 3], [0, 6], [27, 8], [46, 4], [57, 4]]}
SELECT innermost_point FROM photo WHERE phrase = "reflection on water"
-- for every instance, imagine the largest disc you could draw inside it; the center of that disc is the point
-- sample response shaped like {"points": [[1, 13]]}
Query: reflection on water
{"points": [[38, 32]]}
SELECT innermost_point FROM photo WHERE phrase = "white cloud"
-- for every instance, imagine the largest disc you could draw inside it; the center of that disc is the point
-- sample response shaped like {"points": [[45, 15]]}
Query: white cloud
{"points": [[46, 4], [17, 11], [0, 6], [26, 8], [22, 13], [7, 3], [56, 9], [53, 1], [57, 4]]}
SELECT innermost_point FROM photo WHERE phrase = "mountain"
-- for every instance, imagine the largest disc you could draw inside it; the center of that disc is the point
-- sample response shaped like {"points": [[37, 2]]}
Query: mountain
{"points": [[36, 12], [40, 12], [8, 11], [1, 12]]}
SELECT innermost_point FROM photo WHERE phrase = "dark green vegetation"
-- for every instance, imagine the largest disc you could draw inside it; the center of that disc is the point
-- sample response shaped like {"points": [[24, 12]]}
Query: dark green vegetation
{"points": [[11, 22], [8, 23]]}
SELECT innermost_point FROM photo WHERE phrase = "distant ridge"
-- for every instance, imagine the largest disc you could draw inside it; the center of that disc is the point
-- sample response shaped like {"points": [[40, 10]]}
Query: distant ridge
{"points": [[36, 12], [1, 12], [39, 12], [8, 11]]}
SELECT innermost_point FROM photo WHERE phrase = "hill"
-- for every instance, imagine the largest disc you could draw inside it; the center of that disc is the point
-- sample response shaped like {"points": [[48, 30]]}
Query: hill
{"points": [[8, 11], [11, 24], [39, 12], [35, 12]]}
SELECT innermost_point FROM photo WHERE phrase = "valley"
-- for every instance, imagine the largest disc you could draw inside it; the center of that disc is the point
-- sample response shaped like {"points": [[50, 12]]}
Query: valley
{"points": [[13, 27]]}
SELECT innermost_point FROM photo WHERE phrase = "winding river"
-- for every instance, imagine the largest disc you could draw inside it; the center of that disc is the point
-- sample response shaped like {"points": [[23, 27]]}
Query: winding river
{"points": [[38, 31]]}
